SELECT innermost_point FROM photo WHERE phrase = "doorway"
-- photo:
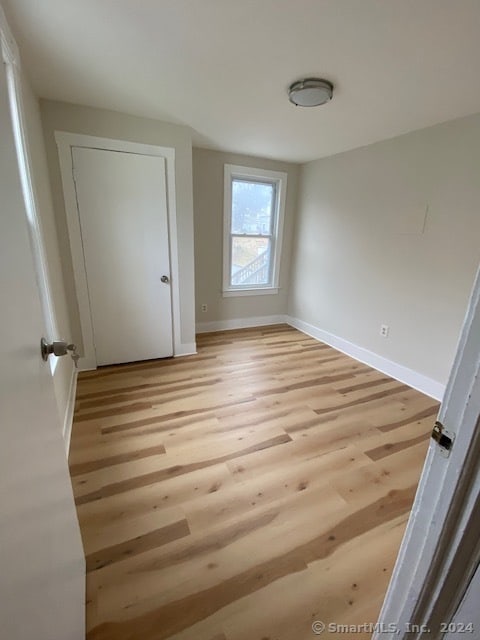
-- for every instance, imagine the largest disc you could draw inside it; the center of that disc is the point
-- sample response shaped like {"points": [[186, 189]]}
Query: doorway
{"points": [[121, 216]]}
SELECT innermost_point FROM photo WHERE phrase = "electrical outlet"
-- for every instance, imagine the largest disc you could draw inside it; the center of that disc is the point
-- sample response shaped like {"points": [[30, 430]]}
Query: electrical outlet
{"points": [[384, 330], [204, 308]]}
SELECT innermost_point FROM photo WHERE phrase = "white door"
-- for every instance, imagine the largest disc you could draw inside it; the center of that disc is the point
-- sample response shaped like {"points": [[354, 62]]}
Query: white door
{"points": [[437, 567], [42, 579], [466, 621], [122, 204]]}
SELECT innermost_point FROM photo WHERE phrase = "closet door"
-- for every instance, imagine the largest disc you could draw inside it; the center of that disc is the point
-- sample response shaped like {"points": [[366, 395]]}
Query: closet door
{"points": [[122, 205]]}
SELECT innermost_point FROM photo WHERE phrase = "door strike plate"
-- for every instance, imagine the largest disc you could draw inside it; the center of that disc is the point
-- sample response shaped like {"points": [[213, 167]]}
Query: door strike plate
{"points": [[443, 438]]}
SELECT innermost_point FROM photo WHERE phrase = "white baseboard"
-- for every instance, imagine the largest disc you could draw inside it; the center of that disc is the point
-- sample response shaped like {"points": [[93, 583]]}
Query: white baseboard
{"points": [[185, 349], [408, 376], [68, 422], [86, 364], [239, 323], [412, 378]]}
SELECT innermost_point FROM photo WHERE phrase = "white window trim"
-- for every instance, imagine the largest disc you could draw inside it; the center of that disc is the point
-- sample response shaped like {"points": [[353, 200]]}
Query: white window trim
{"points": [[279, 178]]}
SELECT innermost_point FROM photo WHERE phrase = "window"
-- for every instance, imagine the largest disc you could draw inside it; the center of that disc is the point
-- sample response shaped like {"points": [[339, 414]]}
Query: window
{"points": [[253, 221]]}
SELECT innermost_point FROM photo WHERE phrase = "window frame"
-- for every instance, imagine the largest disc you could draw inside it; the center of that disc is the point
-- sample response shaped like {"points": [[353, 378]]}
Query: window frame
{"points": [[279, 180]]}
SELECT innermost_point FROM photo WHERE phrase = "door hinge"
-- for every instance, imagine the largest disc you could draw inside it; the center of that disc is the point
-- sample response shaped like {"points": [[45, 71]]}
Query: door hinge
{"points": [[443, 438]]}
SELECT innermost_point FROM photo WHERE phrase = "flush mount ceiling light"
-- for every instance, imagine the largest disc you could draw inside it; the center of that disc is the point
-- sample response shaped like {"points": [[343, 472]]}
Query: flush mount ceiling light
{"points": [[310, 92]]}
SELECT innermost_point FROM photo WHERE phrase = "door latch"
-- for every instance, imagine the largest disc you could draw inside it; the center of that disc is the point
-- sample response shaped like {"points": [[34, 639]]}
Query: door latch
{"points": [[443, 438]]}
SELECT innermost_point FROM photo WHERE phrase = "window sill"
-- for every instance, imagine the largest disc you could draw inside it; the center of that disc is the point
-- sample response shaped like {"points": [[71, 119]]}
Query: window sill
{"points": [[230, 293]]}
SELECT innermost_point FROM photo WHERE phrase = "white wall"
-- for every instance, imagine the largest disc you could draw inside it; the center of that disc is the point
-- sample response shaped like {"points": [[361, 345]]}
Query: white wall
{"points": [[60, 116], [362, 259], [208, 183]]}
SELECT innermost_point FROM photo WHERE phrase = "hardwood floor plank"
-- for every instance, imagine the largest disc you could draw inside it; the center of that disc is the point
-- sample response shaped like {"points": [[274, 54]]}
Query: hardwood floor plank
{"points": [[109, 461], [171, 416], [129, 527], [243, 492], [380, 395], [365, 385], [392, 473], [217, 564], [345, 587], [178, 615], [426, 413], [170, 472], [392, 447], [140, 544], [150, 391], [138, 502]]}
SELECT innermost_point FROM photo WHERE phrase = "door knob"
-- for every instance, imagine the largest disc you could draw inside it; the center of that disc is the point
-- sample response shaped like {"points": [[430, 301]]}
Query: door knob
{"points": [[165, 279], [58, 348]]}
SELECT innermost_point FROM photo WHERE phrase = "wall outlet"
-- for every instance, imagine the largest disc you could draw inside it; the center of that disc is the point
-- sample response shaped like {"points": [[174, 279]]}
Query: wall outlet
{"points": [[204, 308], [384, 330]]}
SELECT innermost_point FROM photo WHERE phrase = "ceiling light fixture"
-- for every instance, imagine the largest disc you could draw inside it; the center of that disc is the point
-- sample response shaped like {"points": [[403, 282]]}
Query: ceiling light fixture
{"points": [[310, 92]]}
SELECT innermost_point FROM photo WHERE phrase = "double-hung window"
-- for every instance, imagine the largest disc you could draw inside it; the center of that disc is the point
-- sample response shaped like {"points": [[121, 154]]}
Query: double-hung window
{"points": [[254, 208]]}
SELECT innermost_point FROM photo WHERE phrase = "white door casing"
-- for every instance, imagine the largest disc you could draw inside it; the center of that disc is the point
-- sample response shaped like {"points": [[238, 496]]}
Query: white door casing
{"points": [[42, 583], [121, 199], [65, 142]]}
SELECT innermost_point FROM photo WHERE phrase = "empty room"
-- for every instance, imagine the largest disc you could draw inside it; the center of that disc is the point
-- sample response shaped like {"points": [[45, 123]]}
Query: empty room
{"points": [[240, 366]]}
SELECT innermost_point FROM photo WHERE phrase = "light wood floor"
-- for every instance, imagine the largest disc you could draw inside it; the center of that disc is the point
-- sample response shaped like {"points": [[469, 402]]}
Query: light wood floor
{"points": [[244, 492]]}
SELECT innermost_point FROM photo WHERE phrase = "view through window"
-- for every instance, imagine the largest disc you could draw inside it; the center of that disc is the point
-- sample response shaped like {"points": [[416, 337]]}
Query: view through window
{"points": [[253, 204]]}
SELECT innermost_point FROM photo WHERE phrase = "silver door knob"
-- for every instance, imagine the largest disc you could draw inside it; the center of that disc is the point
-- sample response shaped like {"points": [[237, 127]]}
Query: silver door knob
{"points": [[165, 279], [57, 347]]}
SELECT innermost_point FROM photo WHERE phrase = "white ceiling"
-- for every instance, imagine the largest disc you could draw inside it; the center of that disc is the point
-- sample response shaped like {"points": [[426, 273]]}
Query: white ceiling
{"points": [[223, 66]]}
